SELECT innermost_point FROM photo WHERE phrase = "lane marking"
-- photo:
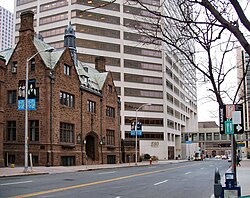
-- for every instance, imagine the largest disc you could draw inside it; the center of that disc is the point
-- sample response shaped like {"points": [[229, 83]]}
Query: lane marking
{"points": [[160, 182], [99, 182], [187, 173], [152, 167], [202, 168], [104, 173], [14, 183]]}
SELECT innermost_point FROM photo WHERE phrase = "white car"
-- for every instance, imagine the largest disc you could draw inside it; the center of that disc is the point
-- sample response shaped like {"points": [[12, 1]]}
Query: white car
{"points": [[224, 157]]}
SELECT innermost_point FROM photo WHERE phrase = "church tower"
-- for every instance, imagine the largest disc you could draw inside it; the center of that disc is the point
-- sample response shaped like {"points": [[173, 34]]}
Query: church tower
{"points": [[70, 41]]}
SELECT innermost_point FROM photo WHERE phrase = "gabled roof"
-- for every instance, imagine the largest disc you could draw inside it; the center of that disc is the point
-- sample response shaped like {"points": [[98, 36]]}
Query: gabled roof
{"points": [[91, 79], [49, 59], [7, 54]]}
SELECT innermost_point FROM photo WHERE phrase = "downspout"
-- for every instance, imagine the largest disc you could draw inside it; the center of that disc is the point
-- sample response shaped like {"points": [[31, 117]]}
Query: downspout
{"points": [[119, 130], [81, 128], [101, 140], [52, 81]]}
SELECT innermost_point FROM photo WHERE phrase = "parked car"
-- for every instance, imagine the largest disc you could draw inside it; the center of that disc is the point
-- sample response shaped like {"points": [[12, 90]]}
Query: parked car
{"points": [[229, 159], [224, 157], [217, 157], [198, 156]]}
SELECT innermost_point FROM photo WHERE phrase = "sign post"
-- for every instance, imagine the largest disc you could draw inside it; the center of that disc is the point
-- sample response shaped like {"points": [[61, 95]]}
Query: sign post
{"points": [[232, 122]]}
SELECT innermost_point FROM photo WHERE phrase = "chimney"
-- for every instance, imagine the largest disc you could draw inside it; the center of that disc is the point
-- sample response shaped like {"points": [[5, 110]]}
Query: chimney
{"points": [[27, 29], [100, 63]]}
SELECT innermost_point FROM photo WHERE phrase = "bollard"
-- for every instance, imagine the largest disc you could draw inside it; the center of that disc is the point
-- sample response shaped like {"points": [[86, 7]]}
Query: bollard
{"points": [[217, 184]]}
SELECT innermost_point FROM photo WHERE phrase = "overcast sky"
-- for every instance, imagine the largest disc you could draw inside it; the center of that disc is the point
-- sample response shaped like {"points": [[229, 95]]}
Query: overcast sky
{"points": [[7, 4]]}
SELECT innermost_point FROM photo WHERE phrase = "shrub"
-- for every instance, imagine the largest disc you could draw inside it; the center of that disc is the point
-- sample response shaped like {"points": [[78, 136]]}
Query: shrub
{"points": [[147, 156], [155, 158]]}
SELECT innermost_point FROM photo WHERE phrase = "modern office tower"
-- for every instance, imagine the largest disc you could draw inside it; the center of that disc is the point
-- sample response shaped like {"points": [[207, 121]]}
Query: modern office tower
{"points": [[152, 87], [243, 66], [6, 28]]}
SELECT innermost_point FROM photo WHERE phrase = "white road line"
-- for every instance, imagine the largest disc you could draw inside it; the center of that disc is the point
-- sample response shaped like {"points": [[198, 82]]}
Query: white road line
{"points": [[23, 182], [106, 173], [202, 168], [187, 173], [160, 182], [151, 167]]}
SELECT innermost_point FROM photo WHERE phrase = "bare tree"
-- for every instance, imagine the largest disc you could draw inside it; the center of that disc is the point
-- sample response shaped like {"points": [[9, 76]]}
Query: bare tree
{"points": [[214, 27], [211, 26]]}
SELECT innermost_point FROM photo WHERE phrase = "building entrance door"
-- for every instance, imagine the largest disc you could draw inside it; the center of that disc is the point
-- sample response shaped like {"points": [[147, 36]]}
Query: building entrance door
{"points": [[90, 147], [170, 152]]}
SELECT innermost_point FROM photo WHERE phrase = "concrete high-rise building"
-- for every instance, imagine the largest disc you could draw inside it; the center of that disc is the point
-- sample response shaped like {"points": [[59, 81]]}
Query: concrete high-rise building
{"points": [[243, 66], [6, 28], [143, 74]]}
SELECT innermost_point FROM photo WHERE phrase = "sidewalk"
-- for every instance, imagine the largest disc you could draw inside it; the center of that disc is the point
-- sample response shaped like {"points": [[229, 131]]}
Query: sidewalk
{"points": [[243, 176], [18, 171]]}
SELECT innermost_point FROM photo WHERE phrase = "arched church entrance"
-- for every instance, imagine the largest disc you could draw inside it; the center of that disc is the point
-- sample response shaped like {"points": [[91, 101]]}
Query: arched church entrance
{"points": [[91, 146]]}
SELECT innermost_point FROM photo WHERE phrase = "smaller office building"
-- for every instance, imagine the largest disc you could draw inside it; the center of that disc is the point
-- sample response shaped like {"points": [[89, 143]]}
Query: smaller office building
{"points": [[210, 142], [73, 115]]}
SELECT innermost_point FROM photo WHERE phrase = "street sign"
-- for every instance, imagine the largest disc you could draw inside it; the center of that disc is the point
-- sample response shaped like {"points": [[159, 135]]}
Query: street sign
{"points": [[239, 127], [240, 144], [233, 113], [222, 117], [229, 127]]}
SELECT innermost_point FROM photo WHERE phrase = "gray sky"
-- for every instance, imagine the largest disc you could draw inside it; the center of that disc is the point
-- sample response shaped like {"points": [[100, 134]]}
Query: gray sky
{"points": [[7, 4]]}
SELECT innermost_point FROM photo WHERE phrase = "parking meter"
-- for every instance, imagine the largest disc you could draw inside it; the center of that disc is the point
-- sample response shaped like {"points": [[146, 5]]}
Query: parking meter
{"points": [[231, 189], [229, 177]]}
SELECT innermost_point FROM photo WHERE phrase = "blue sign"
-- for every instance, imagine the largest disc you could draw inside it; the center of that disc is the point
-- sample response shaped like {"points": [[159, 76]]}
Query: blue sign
{"points": [[132, 133], [31, 104], [21, 105], [139, 129], [189, 142]]}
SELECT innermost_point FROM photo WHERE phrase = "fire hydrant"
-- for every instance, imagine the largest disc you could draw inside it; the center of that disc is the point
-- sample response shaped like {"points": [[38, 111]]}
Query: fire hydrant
{"points": [[150, 161]]}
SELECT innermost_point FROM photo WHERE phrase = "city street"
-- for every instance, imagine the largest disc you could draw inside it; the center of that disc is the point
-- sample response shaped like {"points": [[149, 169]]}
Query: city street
{"points": [[187, 179]]}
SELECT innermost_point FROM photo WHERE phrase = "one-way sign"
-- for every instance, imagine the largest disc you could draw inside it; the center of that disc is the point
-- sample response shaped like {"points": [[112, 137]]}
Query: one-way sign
{"points": [[239, 127]]}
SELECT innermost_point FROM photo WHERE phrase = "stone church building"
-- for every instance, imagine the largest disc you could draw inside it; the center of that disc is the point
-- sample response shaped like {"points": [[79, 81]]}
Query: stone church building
{"points": [[73, 112]]}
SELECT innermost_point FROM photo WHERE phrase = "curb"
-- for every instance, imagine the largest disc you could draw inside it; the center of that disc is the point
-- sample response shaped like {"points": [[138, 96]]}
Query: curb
{"points": [[24, 174]]}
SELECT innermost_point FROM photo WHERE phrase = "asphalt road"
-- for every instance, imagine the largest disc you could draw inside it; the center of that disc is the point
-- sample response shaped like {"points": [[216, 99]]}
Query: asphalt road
{"points": [[183, 180]]}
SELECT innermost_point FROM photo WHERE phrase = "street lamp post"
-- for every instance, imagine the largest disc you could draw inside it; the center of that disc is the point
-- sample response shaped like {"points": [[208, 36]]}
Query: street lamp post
{"points": [[26, 107], [147, 104]]}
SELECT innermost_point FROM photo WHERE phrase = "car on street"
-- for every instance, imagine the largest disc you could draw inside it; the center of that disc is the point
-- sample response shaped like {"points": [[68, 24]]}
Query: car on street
{"points": [[198, 156], [224, 157]]}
